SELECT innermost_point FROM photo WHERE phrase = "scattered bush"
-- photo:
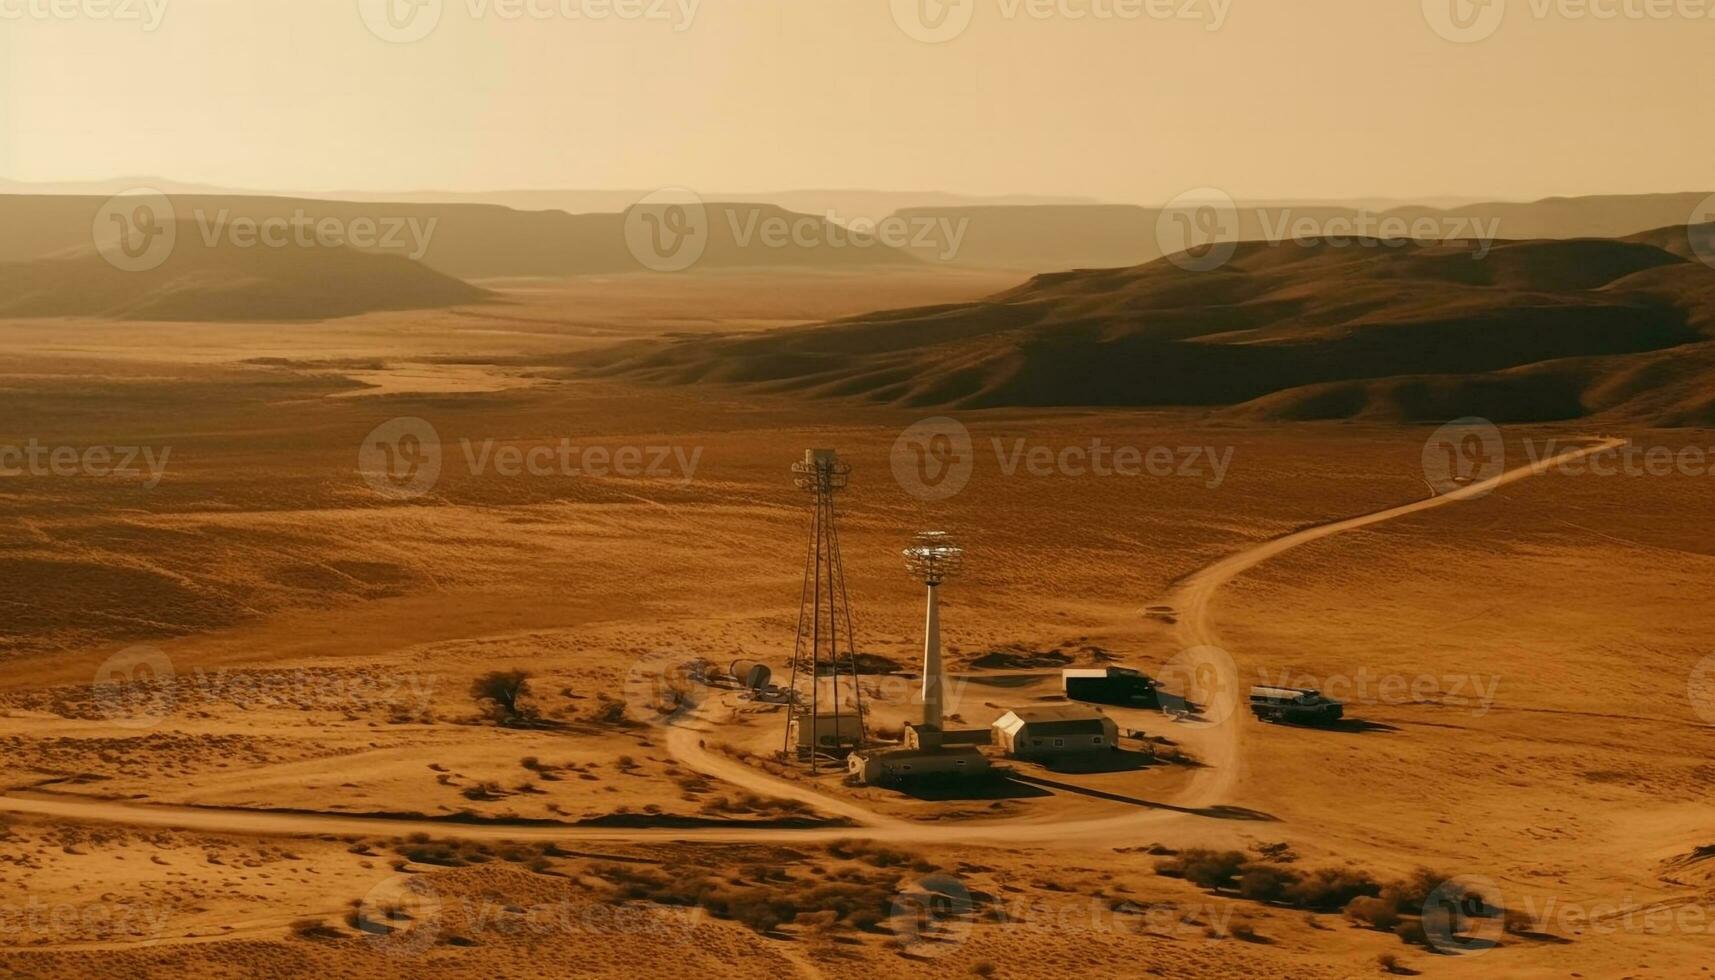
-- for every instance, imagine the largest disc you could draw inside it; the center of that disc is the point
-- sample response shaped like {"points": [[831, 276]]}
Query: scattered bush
{"points": [[1374, 912], [611, 712], [1215, 870], [1517, 923], [502, 694], [879, 855], [314, 929], [1331, 889], [856, 904], [1266, 883], [1396, 906]]}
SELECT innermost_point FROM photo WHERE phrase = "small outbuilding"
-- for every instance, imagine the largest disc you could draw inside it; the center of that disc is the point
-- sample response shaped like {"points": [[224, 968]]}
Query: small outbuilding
{"points": [[827, 735], [932, 737], [1109, 685], [893, 766], [1055, 731]]}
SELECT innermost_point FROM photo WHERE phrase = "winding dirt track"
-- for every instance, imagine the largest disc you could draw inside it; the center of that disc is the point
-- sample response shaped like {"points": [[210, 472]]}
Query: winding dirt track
{"points": [[1217, 745]]}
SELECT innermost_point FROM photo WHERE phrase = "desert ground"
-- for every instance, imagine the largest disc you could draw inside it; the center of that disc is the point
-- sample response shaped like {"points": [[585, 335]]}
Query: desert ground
{"points": [[293, 775]]}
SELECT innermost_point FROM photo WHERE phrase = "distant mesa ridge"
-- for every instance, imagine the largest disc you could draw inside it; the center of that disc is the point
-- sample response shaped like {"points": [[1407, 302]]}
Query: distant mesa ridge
{"points": [[477, 241], [1395, 331], [473, 239], [199, 282]]}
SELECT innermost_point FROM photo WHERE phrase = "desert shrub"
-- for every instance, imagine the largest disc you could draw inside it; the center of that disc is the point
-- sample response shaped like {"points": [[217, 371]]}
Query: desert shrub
{"points": [[1411, 933], [862, 903], [1376, 913], [440, 855], [753, 907], [501, 694], [1205, 868], [314, 929], [1394, 906], [611, 712], [1330, 889], [1266, 882], [877, 855], [859, 905], [1414, 890], [1397, 907]]}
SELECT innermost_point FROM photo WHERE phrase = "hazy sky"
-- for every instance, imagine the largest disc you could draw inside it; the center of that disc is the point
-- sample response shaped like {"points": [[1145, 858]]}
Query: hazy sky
{"points": [[1301, 98]]}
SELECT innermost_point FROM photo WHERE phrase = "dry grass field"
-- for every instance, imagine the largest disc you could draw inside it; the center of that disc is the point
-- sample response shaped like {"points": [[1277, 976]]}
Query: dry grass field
{"points": [[307, 784]]}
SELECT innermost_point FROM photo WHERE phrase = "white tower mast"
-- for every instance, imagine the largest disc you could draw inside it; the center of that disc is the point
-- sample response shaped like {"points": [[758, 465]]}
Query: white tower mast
{"points": [[933, 559]]}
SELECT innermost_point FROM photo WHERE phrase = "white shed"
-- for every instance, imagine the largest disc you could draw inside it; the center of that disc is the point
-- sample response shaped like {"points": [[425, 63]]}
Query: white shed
{"points": [[1027, 733]]}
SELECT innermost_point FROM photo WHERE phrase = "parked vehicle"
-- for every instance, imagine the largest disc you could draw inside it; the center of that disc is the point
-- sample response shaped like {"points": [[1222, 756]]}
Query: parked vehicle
{"points": [[1295, 706]]}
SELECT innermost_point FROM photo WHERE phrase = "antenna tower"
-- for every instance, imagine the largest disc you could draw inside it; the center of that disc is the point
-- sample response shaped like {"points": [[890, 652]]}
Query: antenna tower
{"points": [[824, 727]]}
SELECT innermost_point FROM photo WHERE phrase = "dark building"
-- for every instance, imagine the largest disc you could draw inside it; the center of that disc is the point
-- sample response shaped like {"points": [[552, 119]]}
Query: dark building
{"points": [[1109, 685]]}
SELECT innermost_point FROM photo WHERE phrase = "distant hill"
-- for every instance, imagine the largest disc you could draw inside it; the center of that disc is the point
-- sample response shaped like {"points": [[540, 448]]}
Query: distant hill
{"points": [[844, 202], [1533, 330], [1047, 238], [474, 238], [475, 241], [197, 282]]}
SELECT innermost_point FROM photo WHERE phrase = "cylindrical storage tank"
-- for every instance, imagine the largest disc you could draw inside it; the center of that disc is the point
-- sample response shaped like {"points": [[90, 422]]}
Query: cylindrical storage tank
{"points": [[751, 675]]}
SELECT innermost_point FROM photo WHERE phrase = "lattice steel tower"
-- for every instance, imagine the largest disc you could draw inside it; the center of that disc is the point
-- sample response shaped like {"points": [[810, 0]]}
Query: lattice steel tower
{"points": [[821, 727]]}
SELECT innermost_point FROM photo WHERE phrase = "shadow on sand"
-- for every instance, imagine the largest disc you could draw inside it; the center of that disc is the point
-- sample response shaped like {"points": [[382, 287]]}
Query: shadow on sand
{"points": [[1348, 726], [1215, 812], [1120, 760], [994, 786]]}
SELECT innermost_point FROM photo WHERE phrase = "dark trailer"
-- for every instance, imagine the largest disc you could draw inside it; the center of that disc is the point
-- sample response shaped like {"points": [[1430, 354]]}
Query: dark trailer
{"points": [[1109, 685]]}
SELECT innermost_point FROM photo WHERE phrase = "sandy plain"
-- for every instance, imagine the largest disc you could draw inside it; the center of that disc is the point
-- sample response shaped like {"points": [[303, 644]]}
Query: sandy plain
{"points": [[1522, 670]]}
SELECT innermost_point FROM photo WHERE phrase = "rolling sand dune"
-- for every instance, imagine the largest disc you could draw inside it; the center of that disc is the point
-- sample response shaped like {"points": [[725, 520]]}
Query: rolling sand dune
{"points": [[1531, 331]]}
